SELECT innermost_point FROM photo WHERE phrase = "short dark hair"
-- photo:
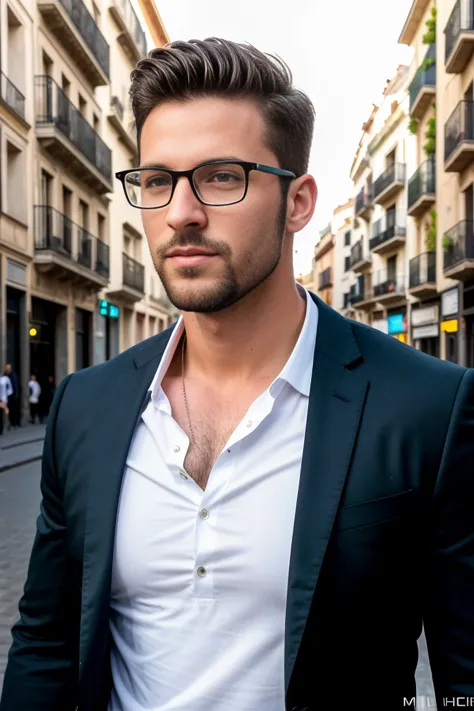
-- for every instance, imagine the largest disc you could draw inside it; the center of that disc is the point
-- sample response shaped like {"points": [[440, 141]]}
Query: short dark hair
{"points": [[216, 67]]}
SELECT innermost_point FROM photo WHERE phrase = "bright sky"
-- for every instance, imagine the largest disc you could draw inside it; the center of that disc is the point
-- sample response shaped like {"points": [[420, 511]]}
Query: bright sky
{"points": [[340, 53]]}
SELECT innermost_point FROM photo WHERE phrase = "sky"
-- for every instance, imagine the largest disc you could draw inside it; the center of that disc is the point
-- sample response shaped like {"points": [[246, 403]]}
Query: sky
{"points": [[340, 53]]}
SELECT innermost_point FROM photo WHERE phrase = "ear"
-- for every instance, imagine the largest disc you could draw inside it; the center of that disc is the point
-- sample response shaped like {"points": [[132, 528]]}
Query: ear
{"points": [[301, 203]]}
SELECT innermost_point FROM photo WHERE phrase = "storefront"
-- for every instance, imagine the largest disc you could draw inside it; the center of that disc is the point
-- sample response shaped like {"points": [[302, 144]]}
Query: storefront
{"points": [[106, 336], [468, 318], [425, 329], [449, 325], [397, 326]]}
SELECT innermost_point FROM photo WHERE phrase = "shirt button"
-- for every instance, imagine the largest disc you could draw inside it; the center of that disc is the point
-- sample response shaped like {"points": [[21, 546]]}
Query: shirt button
{"points": [[201, 572], [249, 423], [176, 448], [183, 475], [204, 513]]}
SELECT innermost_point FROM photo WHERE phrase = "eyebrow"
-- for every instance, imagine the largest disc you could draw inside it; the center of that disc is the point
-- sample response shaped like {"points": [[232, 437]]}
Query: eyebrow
{"points": [[163, 166]]}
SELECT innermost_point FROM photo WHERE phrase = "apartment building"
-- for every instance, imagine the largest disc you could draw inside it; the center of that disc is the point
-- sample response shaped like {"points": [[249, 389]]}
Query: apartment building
{"points": [[343, 277], [77, 284], [376, 291], [324, 265]]}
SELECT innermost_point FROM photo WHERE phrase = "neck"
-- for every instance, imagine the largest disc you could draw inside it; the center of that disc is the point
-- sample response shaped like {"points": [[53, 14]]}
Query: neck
{"points": [[251, 340]]}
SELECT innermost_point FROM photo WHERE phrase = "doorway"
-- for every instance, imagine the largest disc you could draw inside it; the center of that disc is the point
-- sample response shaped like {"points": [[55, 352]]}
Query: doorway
{"points": [[470, 341]]}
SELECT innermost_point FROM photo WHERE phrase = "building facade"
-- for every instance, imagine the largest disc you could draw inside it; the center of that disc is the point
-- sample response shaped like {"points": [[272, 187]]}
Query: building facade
{"points": [[77, 284]]}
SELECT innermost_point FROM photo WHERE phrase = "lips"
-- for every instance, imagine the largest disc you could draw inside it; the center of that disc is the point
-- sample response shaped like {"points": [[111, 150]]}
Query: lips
{"points": [[191, 260]]}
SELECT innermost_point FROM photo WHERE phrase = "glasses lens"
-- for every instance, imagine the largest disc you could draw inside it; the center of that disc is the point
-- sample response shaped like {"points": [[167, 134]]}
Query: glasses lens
{"points": [[148, 188], [220, 184]]}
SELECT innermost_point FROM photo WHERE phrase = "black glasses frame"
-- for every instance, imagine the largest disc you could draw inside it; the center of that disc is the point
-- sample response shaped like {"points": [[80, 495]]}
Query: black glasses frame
{"points": [[189, 174]]}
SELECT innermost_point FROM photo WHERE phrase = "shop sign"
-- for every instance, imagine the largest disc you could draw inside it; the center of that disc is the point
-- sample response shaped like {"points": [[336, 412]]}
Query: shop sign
{"points": [[380, 324], [431, 331], [450, 302], [450, 326], [429, 314], [397, 323], [108, 309]]}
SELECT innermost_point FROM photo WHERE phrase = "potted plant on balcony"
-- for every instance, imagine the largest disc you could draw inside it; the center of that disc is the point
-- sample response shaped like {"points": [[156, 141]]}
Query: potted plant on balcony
{"points": [[430, 36], [447, 242], [430, 135], [430, 240], [413, 126]]}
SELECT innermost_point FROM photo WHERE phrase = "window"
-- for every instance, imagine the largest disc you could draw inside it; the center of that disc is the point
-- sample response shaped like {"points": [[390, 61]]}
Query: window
{"points": [[347, 264], [390, 217], [67, 202], [82, 106], [101, 227], [15, 183], [347, 239], [15, 51], [65, 85], [390, 160], [392, 268], [84, 214], [96, 122]]}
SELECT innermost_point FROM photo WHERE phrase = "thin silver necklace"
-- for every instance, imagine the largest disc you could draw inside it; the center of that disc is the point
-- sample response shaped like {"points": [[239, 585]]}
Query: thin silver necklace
{"points": [[184, 392]]}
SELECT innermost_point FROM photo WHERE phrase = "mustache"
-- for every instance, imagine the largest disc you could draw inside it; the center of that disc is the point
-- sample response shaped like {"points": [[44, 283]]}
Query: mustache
{"points": [[192, 239]]}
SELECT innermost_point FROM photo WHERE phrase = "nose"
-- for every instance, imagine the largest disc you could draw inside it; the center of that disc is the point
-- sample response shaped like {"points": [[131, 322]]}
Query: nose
{"points": [[185, 210]]}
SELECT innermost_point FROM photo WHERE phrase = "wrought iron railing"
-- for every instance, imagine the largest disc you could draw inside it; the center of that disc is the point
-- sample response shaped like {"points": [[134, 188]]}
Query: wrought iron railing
{"points": [[325, 278], [363, 200], [424, 76], [423, 269], [357, 253], [460, 20], [386, 235], [422, 182], [458, 244], [395, 174], [133, 24], [90, 33], [459, 127], [386, 283], [12, 96], [133, 273], [54, 107]]}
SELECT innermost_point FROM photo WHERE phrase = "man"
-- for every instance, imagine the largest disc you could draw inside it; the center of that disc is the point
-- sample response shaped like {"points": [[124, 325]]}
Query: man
{"points": [[275, 498], [5, 393], [14, 400]]}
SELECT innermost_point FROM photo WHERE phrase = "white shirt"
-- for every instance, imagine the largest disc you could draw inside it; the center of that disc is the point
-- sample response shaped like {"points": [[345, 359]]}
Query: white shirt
{"points": [[6, 388], [200, 578], [35, 391]]}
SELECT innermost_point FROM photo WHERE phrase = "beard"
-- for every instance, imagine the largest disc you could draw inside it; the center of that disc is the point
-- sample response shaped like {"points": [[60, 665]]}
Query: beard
{"points": [[231, 286]]}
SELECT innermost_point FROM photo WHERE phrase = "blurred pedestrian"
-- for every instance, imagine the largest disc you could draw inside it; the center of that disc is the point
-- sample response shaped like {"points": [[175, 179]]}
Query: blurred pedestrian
{"points": [[14, 399], [5, 391], [35, 392]]}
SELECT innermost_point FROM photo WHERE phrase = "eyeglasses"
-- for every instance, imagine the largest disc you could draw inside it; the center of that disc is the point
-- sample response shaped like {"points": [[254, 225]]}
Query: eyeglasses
{"points": [[215, 183]]}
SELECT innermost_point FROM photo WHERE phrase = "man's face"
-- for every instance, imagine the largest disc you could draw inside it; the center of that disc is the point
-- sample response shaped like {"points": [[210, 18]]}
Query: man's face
{"points": [[247, 237]]}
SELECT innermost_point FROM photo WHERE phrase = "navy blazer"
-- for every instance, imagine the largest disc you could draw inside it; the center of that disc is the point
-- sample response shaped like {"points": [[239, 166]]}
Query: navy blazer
{"points": [[383, 538]]}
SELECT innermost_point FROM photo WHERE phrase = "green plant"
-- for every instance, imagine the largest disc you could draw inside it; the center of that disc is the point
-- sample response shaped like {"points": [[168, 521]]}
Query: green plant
{"points": [[447, 242], [430, 145], [413, 126], [430, 36], [430, 240], [427, 63]]}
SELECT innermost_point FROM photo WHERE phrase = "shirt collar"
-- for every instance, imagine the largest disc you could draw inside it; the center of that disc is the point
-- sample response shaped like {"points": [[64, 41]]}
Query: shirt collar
{"points": [[297, 370]]}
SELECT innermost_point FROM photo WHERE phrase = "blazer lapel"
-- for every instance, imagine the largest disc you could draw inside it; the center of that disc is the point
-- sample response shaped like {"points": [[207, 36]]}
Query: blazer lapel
{"points": [[337, 396], [117, 433]]}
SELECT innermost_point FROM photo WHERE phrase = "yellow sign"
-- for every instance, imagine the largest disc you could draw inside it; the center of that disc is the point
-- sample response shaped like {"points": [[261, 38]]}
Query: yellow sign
{"points": [[403, 337], [33, 332], [450, 326]]}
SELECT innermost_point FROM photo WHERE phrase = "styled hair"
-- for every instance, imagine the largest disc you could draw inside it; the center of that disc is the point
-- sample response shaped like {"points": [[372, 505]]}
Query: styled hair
{"points": [[182, 71]]}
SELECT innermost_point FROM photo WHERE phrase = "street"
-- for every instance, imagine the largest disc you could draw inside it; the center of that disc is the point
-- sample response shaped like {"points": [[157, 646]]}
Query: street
{"points": [[19, 507]]}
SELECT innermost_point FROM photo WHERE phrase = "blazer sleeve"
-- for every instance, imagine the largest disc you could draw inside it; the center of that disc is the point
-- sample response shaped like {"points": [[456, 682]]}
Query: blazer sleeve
{"points": [[448, 593], [41, 673]]}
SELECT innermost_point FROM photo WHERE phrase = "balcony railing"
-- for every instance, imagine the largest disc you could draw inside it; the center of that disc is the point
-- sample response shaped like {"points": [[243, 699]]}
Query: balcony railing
{"points": [[117, 106], [325, 278], [395, 174], [12, 96], [357, 291], [133, 24], [133, 273], [423, 78], [422, 182], [423, 269], [363, 201], [90, 33], [53, 107], [459, 127], [460, 246], [357, 254], [347, 300], [386, 284], [386, 235], [460, 20], [57, 233]]}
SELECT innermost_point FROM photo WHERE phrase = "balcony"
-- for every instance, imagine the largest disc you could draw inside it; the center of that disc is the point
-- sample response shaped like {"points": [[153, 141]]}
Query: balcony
{"points": [[389, 184], [422, 90], [325, 278], [66, 135], [422, 282], [67, 252], [116, 118], [459, 34], [132, 37], [422, 189], [389, 240], [364, 204], [360, 294], [11, 96], [73, 25], [459, 251], [459, 138], [358, 260], [389, 289], [132, 287]]}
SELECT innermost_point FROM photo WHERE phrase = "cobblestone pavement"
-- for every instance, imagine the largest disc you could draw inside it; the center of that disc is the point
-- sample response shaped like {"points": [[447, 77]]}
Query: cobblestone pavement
{"points": [[19, 506]]}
